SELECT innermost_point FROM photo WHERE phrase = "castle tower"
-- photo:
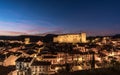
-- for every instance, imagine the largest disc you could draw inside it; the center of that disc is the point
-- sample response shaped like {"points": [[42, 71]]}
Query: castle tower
{"points": [[83, 37]]}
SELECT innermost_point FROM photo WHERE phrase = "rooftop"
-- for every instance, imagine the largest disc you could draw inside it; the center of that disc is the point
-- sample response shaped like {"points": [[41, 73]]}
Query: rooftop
{"points": [[49, 56], [24, 59], [37, 63]]}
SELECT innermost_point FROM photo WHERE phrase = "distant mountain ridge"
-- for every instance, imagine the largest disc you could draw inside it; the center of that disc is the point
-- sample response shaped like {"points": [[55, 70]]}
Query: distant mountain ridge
{"points": [[45, 38], [33, 38]]}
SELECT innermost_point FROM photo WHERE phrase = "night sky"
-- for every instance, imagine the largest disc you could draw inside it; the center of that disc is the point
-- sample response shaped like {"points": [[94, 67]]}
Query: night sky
{"points": [[25, 17]]}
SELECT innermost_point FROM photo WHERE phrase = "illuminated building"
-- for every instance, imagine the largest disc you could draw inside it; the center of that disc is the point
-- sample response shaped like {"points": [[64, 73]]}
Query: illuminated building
{"points": [[70, 38], [52, 59], [23, 65], [27, 40], [41, 67], [83, 37]]}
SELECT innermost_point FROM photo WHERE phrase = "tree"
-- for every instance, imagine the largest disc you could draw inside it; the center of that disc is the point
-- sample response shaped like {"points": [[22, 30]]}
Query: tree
{"points": [[68, 67], [93, 61]]}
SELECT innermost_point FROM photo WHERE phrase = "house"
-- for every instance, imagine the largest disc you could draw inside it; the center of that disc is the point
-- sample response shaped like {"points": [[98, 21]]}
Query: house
{"points": [[50, 58], [23, 65], [41, 67], [11, 58]]}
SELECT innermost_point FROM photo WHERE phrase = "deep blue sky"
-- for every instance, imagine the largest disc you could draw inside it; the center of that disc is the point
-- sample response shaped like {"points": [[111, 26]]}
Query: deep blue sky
{"points": [[96, 17]]}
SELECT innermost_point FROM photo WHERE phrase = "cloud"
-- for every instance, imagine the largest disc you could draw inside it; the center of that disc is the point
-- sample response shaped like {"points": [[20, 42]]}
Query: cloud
{"points": [[12, 33], [20, 28], [28, 28]]}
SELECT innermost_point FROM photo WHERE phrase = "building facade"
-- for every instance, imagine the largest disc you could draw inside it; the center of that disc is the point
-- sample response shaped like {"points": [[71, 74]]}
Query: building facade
{"points": [[23, 65], [70, 38], [41, 67], [27, 41]]}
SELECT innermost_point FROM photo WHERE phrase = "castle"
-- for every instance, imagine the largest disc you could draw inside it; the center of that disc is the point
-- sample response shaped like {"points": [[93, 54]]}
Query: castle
{"points": [[70, 38]]}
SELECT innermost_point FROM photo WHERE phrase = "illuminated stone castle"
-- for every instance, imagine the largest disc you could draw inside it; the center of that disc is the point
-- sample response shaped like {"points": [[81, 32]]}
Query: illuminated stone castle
{"points": [[70, 38]]}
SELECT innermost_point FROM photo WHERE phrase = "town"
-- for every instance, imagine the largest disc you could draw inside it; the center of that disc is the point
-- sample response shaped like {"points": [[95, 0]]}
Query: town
{"points": [[69, 52]]}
